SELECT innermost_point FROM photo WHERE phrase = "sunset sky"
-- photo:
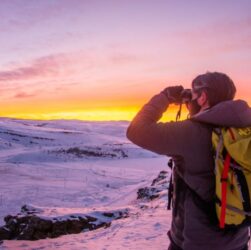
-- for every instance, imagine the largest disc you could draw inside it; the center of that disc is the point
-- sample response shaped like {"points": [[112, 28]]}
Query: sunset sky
{"points": [[102, 60]]}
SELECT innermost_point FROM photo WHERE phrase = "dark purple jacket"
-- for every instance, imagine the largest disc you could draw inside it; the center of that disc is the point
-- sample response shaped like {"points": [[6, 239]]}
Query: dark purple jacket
{"points": [[189, 142]]}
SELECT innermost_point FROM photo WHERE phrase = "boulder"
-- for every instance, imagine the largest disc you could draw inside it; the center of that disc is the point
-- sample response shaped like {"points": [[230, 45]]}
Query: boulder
{"points": [[32, 224]]}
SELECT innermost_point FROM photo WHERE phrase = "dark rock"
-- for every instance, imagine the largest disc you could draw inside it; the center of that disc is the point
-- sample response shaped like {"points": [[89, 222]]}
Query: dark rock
{"points": [[76, 226], [26, 233], [88, 152], [93, 151], [26, 209], [148, 193], [89, 218], [5, 233], [44, 225], [12, 224], [162, 176], [7, 218], [59, 228], [158, 188], [28, 226], [108, 214], [39, 235]]}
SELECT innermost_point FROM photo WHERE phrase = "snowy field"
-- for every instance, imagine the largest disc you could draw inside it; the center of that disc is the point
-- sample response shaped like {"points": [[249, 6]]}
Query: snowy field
{"points": [[71, 167]]}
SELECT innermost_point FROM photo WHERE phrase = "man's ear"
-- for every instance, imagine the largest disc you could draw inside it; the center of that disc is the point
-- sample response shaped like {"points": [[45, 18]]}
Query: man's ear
{"points": [[203, 99]]}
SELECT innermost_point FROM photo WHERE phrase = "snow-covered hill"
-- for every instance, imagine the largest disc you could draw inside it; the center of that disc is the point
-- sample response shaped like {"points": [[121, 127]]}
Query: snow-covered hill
{"points": [[69, 165]]}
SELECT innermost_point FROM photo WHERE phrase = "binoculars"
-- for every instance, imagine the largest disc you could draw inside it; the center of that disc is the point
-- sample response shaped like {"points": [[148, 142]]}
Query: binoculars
{"points": [[186, 96]]}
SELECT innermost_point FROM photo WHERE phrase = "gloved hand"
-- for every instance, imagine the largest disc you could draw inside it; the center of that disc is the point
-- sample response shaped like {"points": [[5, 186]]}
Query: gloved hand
{"points": [[173, 94]]}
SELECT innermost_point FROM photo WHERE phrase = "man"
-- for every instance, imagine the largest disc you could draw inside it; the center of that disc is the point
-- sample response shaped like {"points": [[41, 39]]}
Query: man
{"points": [[189, 142]]}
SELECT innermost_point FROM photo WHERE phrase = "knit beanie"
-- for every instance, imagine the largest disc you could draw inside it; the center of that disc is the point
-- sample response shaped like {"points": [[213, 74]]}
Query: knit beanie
{"points": [[218, 87]]}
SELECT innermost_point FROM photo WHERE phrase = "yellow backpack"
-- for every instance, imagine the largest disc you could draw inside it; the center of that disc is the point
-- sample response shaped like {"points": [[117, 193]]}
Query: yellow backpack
{"points": [[232, 148]]}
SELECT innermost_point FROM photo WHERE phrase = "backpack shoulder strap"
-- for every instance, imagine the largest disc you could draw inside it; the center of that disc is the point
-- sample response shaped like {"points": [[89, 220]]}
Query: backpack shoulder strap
{"points": [[218, 141], [224, 184]]}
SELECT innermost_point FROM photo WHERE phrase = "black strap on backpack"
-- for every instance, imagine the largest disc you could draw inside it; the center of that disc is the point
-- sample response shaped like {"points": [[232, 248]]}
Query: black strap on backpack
{"points": [[170, 164], [170, 188]]}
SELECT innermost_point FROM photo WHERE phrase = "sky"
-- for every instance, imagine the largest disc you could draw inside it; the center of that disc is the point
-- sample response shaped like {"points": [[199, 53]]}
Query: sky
{"points": [[103, 60]]}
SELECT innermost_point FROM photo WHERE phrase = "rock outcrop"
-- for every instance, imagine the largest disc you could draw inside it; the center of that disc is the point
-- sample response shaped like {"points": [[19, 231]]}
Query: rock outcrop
{"points": [[157, 189], [31, 224]]}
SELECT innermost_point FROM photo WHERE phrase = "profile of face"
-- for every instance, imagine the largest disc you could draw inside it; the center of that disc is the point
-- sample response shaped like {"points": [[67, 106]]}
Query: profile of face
{"points": [[198, 103]]}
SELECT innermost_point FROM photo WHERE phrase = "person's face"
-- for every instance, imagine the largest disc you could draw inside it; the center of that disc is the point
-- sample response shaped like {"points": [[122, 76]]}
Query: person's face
{"points": [[195, 105], [195, 95], [199, 102]]}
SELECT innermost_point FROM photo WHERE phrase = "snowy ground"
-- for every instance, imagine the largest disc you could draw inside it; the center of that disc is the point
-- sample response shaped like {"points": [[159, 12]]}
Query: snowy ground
{"points": [[73, 165]]}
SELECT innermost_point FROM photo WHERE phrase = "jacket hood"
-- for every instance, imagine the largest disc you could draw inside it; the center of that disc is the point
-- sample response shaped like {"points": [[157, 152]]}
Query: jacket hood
{"points": [[227, 114]]}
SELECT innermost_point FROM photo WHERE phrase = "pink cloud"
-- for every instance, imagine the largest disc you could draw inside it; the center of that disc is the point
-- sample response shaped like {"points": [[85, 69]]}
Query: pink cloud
{"points": [[23, 95], [25, 15], [44, 66], [67, 65]]}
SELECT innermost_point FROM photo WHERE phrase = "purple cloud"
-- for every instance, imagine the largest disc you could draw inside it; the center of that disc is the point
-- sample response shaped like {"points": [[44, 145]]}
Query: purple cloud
{"points": [[22, 15], [44, 66], [27, 14]]}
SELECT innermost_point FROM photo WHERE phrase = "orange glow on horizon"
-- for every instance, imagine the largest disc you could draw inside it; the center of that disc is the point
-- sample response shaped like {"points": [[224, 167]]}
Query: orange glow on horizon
{"points": [[69, 111], [95, 114]]}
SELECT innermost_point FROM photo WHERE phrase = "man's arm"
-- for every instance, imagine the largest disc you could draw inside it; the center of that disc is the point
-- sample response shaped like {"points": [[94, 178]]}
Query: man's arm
{"points": [[162, 138]]}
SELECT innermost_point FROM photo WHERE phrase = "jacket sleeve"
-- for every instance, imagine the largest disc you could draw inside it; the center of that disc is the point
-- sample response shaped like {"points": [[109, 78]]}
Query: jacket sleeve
{"points": [[161, 138]]}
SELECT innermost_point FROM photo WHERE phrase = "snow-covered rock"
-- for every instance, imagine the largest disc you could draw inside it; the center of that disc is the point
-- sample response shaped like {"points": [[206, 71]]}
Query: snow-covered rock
{"points": [[35, 223], [157, 189]]}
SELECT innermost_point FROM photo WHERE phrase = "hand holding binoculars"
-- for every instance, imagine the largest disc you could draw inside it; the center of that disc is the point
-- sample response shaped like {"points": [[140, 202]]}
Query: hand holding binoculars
{"points": [[177, 94]]}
